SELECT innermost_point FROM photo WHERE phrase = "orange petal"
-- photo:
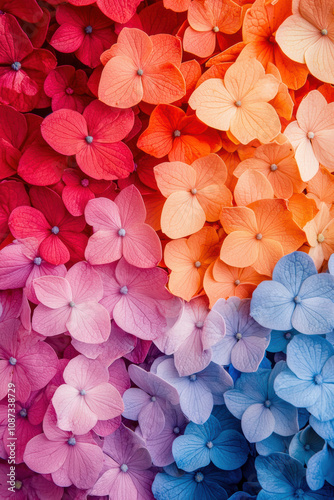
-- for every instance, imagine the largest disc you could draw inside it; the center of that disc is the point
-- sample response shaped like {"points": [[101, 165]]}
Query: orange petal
{"points": [[240, 249], [182, 215], [162, 84], [303, 209], [238, 219], [269, 253], [174, 176], [322, 185], [252, 186]]}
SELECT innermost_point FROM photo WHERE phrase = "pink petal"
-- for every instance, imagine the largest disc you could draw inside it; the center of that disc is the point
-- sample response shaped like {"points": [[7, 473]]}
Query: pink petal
{"points": [[73, 414], [89, 322], [15, 267], [103, 213], [104, 247], [106, 124], [131, 206], [65, 131], [85, 283], [141, 246], [83, 373], [50, 322], [105, 401], [84, 464], [53, 291], [44, 456]]}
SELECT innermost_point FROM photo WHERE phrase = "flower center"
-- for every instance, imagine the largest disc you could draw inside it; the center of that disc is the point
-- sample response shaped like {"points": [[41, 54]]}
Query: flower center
{"points": [[16, 66], [193, 191], [199, 477], [124, 290], [121, 232], [88, 30], [37, 261], [176, 430], [55, 230], [299, 493], [84, 183], [209, 445], [69, 91], [318, 379], [193, 377], [237, 104], [12, 361], [153, 399], [89, 139], [307, 447], [140, 72], [124, 468], [176, 133], [320, 238], [238, 336], [71, 304], [273, 167], [71, 441], [324, 32], [237, 282], [83, 392], [288, 335], [297, 299], [198, 263], [23, 412], [215, 29], [18, 485], [310, 135], [267, 403], [259, 236], [199, 324]]}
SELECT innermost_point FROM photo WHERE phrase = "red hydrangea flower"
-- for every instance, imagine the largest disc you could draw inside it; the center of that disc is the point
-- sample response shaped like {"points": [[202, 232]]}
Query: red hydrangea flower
{"points": [[79, 189], [117, 10], [84, 31], [22, 68], [67, 88], [94, 137], [59, 233], [12, 195]]}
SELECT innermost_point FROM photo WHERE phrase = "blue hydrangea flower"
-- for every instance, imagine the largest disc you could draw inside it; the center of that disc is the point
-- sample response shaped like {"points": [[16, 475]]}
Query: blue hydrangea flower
{"points": [[261, 411], [283, 478], [204, 484], [279, 339], [307, 380], [320, 468], [305, 444], [297, 297], [200, 444]]}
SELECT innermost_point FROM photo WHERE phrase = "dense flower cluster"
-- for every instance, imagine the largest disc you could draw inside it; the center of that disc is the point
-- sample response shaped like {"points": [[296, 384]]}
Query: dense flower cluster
{"points": [[166, 241]]}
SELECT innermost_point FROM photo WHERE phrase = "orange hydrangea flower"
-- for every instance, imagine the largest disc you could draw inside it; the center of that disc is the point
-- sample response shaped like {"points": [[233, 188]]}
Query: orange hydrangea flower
{"points": [[240, 102], [320, 235], [321, 186], [258, 31], [195, 193], [188, 259], [308, 37], [223, 281], [141, 67], [208, 20], [183, 138], [278, 164], [312, 134], [259, 235]]}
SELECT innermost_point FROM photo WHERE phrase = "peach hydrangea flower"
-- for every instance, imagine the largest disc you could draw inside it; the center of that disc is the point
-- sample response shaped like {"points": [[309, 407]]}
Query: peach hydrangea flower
{"points": [[308, 37], [240, 102]]}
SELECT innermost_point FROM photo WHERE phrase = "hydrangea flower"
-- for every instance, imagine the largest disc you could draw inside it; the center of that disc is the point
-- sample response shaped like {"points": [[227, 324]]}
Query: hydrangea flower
{"points": [[245, 341], [305, 444], [297, 297], [320, 468], [283, 478], [279, 339], [261, 411], [202, 444], [307, 380], [199, 391]]}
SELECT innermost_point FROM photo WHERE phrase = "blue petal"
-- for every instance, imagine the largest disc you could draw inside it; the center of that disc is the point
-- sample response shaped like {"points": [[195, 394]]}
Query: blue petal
{"points": [[291, 270], [226, 419], [319, 285], [272, 305], [278, 340], [306, 356], [196, 402], [297, 392], [279, 473], [257, 423], [167, 487], [320, 468], [238, 402], [331, 264], [207, 431], [305, 444], [324, 429], [190, 452], [314, 316], [229, 451], [272, 444]]}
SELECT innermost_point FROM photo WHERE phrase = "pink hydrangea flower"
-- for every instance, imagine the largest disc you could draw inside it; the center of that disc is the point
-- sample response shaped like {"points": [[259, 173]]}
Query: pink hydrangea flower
{"points": [[190, 339], [86, 396], [72, 303], [24, 360], [21, 263], [126, 473], [137, 299], [120, 230], [70, 459]]}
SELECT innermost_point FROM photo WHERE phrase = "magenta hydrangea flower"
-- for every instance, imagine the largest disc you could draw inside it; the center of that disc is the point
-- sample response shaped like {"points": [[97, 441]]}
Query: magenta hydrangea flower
{"points": [[72, 304], [191, 338], [137, 299], [70, 459], [126, 472], [86, 396], [148, 402], [21, 263], [120, 230], [24, 360]]}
